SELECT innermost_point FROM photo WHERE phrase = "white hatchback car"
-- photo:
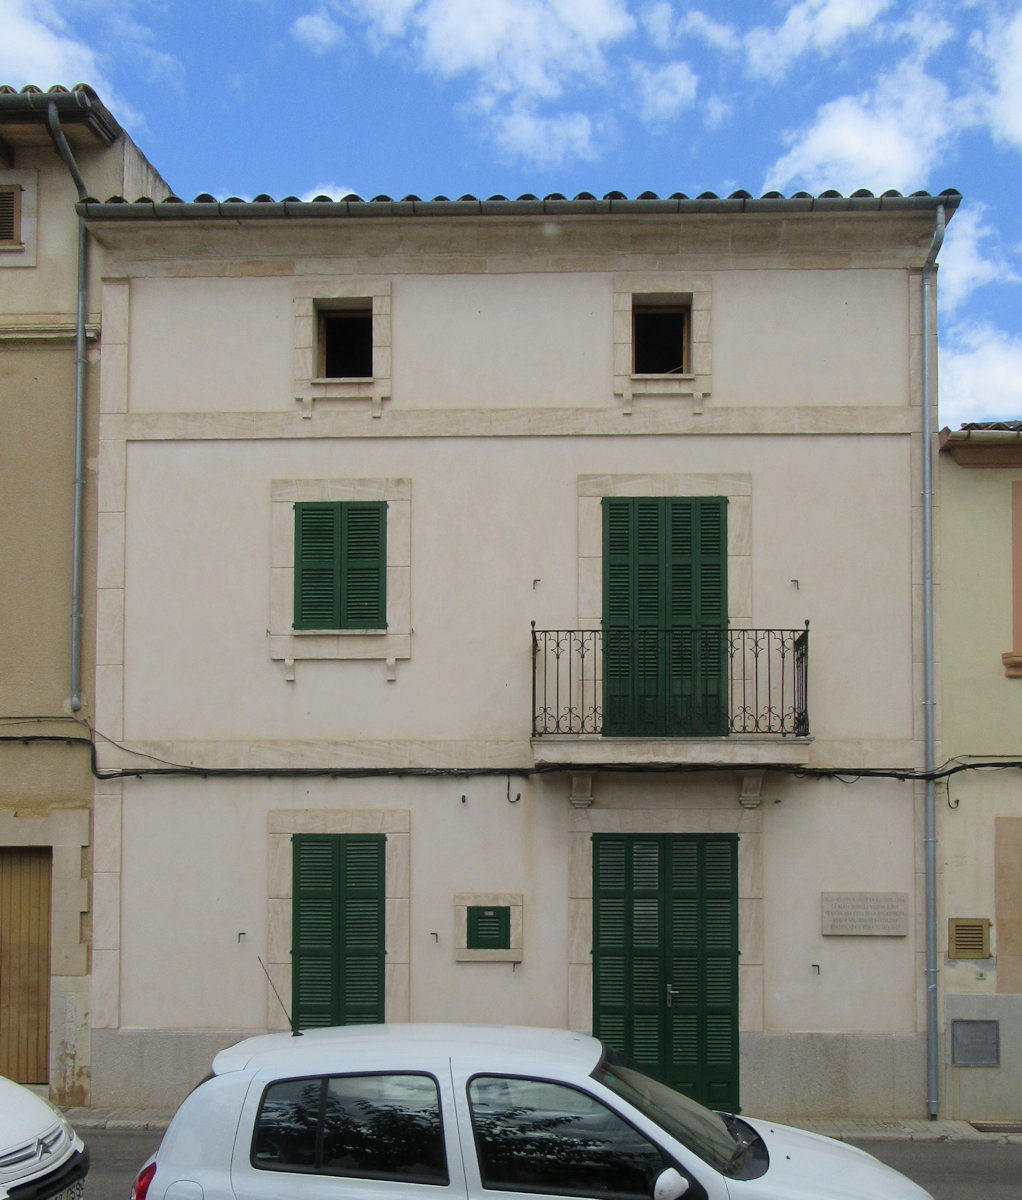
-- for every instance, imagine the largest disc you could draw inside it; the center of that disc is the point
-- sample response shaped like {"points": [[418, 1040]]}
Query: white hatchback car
{"points": [[41, 1156], [467, 1112]]}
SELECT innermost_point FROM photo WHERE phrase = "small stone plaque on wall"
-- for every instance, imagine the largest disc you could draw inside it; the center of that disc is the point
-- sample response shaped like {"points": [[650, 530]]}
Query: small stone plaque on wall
{"points": [[864, 914]]}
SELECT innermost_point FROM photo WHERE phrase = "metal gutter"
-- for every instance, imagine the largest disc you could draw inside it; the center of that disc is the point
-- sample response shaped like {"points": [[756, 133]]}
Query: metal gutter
{"points": [[81, 363], [929, 697]]}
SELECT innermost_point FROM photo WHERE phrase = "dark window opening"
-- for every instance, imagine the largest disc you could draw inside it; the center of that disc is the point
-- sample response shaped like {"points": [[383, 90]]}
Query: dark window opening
{"points": [[346, 344], [660, 340]]}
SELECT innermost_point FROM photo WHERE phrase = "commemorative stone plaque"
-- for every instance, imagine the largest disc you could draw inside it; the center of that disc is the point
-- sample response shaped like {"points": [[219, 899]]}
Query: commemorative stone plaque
{"points": [[865, 914]]}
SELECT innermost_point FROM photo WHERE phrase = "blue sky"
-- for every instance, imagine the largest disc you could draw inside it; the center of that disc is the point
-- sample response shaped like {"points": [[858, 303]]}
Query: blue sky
{"points": [[448, 97]]}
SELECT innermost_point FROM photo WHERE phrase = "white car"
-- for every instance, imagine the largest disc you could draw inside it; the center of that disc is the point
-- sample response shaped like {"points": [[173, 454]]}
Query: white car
{"points": [[41, 1156], [469, 1112]]}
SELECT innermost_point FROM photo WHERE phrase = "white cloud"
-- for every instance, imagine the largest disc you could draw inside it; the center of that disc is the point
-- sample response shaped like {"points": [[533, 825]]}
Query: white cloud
{"points": [[335, 191], [546, 141], [965, 264], [890, 137], [980, 375], [35, 47], [715, 112], [525, 49], [664, 91], [720, 37], [815, 26], [1003, 47], [317, 30], [660, 23]]}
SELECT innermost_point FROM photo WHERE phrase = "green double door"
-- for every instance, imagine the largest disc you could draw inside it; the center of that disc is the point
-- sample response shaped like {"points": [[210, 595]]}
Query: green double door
{"points": [[665, 616], [665, 958]]}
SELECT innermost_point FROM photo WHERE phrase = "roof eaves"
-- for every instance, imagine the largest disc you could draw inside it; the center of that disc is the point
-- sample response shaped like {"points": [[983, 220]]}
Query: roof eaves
{"points": [[75, 106], [615, 203]]}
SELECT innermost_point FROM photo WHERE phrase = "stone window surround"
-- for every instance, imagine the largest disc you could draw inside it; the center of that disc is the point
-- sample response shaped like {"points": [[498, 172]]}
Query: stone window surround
{"points": [[289, 644], [324, 292], [465, 900], [591, 491], [23, 254], [690, 289], [395, 824]]}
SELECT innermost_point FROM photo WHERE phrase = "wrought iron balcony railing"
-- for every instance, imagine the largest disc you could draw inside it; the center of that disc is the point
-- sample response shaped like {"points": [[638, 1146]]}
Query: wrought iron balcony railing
{"points": [[670, 682]]}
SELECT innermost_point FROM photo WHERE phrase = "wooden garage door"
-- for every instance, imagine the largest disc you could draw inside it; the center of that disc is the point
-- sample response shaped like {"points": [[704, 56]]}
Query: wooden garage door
{"points": [[25, 964]]}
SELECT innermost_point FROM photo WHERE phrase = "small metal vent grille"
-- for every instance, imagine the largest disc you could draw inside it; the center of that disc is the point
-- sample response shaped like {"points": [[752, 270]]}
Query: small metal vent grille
{"points": [[968, 937], [489, 927], [9, 232]]}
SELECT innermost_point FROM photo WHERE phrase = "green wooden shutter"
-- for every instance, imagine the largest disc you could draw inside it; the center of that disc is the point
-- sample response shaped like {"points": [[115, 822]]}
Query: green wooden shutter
{"points": [[628, 974], [665, 913], [317, 566], [341, 565], [633, 584], [695, 603], [364, 565], [702, 967], [338, 912], [665, 616]]}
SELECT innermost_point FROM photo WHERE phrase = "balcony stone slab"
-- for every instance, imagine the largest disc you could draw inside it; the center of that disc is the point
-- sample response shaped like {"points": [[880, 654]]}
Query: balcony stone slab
{"points": [[736, 751]]}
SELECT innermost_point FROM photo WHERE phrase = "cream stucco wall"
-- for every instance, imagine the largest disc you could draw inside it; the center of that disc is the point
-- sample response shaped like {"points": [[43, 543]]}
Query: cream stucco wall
{"points": [[501, 423]]}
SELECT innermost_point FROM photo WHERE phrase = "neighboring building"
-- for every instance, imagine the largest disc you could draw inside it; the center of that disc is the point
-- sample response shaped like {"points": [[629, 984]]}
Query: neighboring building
{"points": [[357, 461], [980, 836], [46, 684]]}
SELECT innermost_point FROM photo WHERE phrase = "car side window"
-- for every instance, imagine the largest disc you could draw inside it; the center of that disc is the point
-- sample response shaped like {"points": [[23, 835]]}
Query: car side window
{"points": [[361, 1126], [536, 1136]]}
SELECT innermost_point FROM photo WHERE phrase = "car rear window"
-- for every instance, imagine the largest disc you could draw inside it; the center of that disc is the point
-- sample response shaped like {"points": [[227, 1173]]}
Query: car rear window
{"points": [[380, 1126]]}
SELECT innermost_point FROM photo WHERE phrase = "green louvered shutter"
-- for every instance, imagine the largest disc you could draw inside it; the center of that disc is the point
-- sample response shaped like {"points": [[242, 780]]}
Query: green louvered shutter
{"points": [[695, 602], [702, 967], [364, 565], [341, 565], [665, 957], [338, 946], [628, 970], [665, 616], [317, 566]]}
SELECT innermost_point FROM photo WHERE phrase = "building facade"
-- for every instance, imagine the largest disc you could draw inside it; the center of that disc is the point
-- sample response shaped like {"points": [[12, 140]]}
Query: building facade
{"points": [[507, 611], [48, 418], [981, 809]]}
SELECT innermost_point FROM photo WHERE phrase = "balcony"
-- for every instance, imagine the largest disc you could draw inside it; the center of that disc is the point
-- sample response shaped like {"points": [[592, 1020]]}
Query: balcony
{"points": [[730, 696]]}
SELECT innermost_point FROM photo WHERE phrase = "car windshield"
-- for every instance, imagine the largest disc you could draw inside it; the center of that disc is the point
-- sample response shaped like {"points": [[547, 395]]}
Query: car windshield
{"points": [[695, 1127]]}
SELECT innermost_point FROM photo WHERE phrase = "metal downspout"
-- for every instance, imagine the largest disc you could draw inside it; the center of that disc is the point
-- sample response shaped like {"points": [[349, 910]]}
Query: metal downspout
{"points": [[78, 503], [929, 699]]}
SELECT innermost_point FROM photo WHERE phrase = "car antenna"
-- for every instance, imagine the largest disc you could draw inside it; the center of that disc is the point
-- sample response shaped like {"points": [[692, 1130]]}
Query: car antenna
{"points": [[294, 1032]]}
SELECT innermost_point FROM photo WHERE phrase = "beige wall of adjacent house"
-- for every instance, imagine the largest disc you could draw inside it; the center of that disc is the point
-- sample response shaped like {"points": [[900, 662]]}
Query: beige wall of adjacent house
{"points": [[981, 823], [46, 786]]}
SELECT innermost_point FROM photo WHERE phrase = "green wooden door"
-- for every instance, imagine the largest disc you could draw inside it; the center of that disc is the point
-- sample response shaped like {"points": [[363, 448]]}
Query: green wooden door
{"points": [[665, 957], [665, 616], [338, 948]]}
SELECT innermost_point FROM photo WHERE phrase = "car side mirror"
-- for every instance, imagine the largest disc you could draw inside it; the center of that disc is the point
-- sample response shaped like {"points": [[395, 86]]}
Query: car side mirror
{"points": [[670, 1184]]}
